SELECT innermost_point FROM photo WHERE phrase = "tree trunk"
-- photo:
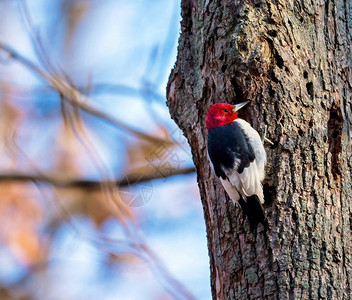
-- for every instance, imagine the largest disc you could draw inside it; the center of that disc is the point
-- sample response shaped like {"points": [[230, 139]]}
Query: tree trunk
{"points": [[292, 60]]}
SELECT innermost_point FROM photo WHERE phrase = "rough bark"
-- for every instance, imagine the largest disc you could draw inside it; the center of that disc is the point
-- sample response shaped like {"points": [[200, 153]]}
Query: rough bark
{"points": [[292, 60]]}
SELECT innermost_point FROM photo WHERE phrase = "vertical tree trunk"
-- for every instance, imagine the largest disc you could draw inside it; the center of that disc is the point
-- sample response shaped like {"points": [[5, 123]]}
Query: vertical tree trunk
{"points": [[292, 60]]}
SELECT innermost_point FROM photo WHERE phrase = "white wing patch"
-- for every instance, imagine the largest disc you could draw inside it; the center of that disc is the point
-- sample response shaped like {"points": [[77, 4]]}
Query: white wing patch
{"points": [[230, 190], [257, 145], [247, 183]]}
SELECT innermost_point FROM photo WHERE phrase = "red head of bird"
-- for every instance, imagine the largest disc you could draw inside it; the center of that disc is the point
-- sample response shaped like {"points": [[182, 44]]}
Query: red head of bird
{"points": [[221, 114]]}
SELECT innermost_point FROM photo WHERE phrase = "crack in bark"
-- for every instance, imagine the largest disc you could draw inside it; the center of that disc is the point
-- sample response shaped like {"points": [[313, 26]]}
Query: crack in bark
{"points": [[335, 124]]}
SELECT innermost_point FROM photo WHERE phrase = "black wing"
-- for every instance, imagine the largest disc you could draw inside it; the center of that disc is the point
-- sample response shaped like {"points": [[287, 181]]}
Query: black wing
{"points": [[227, 146]]}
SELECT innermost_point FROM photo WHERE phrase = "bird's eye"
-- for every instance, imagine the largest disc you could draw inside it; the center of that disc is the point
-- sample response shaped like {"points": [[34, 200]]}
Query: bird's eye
{"points": [[226, 110]]}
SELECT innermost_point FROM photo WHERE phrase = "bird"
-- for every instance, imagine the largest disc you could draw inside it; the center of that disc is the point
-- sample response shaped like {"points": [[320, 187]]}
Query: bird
{"points": [[238, 158]]}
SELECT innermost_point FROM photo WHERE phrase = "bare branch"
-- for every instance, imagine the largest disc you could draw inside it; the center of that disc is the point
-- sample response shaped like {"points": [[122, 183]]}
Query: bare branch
{"points": [[94, 89], [64, 181], [23, 60], [75, 98]]}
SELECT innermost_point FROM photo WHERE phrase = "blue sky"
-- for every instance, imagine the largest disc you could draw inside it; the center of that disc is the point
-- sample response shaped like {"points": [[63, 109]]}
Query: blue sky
{"points": [[130, 43]]}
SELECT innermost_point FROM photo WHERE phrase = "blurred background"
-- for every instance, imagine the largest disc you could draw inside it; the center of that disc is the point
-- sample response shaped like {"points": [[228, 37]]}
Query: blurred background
{"points": [[98, 195]]}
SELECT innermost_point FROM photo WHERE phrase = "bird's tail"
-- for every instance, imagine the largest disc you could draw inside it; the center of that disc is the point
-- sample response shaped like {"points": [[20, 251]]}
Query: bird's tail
{"points": [[254, 210]]}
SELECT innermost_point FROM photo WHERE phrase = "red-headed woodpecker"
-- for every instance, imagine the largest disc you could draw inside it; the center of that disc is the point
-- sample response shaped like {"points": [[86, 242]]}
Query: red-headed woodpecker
{"points": [[238, 158]]}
